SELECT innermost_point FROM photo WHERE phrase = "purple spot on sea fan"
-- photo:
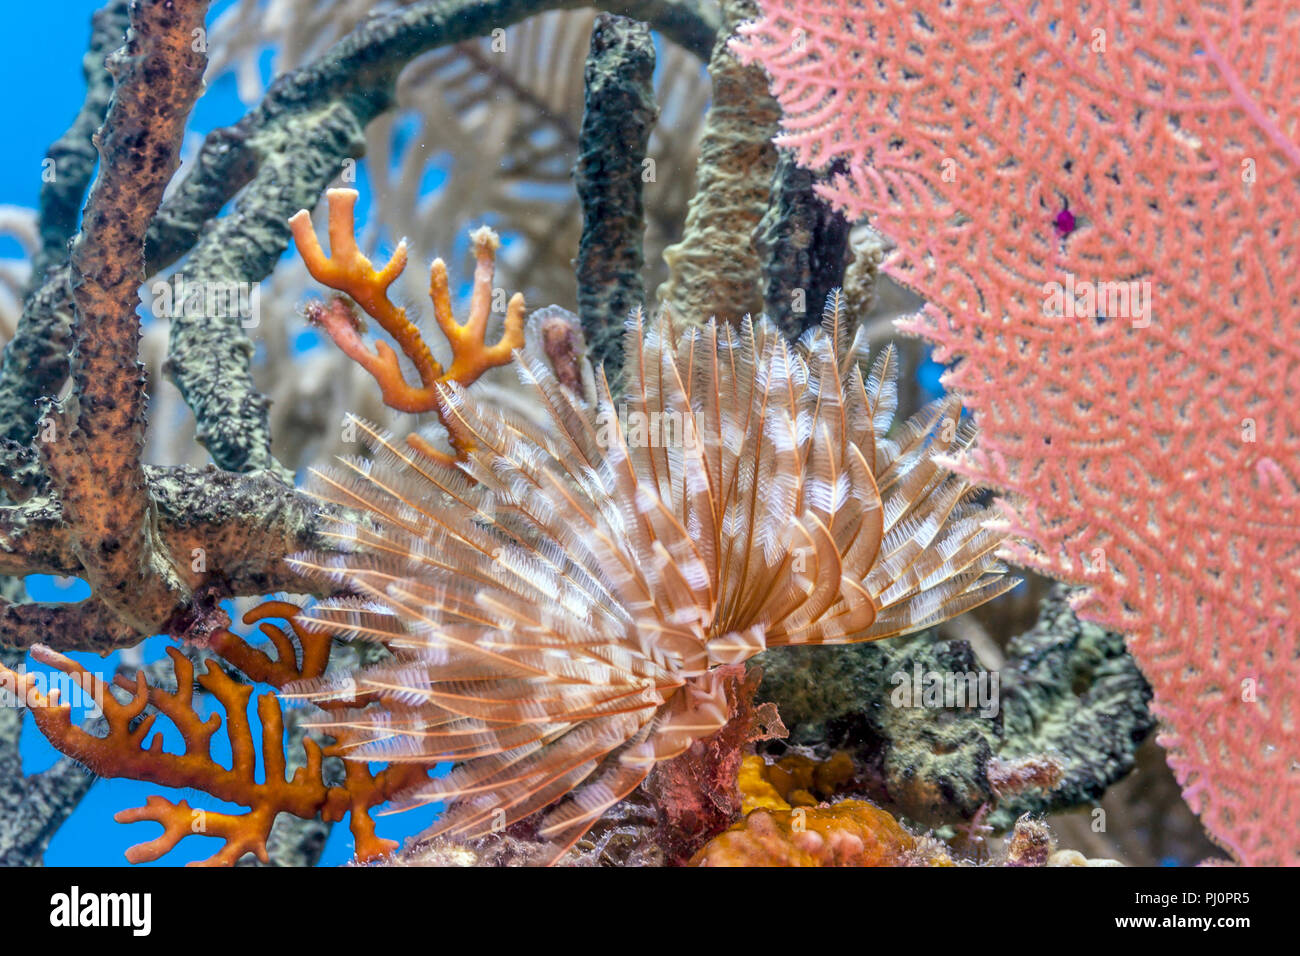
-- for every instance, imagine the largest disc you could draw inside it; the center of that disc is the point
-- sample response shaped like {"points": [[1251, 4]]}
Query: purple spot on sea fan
{"points": [[1064, 222]]}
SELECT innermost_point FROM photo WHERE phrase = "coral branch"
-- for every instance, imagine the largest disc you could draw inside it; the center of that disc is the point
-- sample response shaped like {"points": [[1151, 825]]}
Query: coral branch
{"points": [[87, 625], [73, 155], [286, 666], [36, 358], [240, 833], [127, 750], [232, 530], [470, 356], [714, 270], [95, 465], [619, 112], [91, 451], [347, 270], [36, 804]]}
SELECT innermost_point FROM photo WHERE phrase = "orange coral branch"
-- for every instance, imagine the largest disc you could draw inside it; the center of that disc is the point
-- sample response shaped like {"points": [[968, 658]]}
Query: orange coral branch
{"points": [[241, 833], [470, 356], [347, 270], [123, 751], [259, 666]]}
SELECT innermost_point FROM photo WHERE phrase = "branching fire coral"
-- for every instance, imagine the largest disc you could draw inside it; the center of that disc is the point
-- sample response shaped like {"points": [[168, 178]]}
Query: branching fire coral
{"points": [[127, 750], [347, 270], [559, 602]]}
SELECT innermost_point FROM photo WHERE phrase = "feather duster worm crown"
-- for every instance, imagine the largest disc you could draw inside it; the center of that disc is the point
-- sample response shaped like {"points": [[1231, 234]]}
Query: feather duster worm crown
{"points": [[557, 602]]}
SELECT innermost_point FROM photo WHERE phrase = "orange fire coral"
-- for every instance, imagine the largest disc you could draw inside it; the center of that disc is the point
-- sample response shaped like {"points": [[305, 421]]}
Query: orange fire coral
{"points": [[560, 601], [347, 270], [127, 752]]}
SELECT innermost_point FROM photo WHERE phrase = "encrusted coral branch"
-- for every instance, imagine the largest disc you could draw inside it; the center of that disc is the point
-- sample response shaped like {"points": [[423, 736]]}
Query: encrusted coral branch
{"points": [[233, 529], [73, 155], [91, 444], [715, 269], [347, 270], [126, 750], [619, 112]]}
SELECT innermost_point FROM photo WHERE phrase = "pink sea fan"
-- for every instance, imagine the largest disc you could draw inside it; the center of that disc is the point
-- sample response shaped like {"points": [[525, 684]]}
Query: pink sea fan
{"points": [[564, 602], [1099, 202]]}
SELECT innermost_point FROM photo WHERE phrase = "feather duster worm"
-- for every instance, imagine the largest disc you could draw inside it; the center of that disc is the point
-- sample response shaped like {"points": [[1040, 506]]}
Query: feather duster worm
{"points": [[557, 601]]}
